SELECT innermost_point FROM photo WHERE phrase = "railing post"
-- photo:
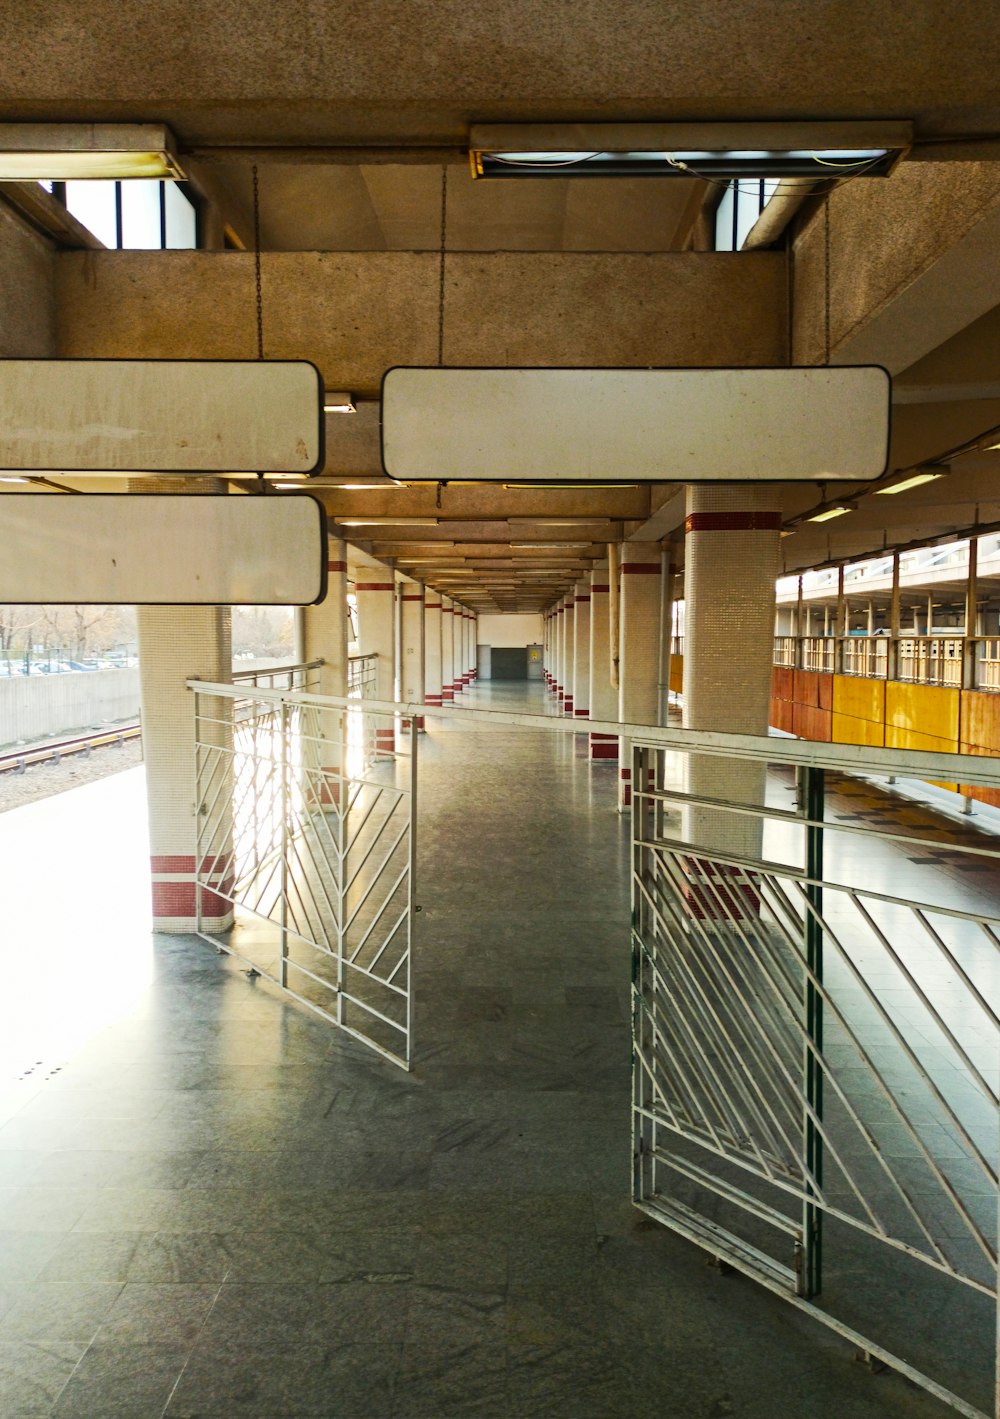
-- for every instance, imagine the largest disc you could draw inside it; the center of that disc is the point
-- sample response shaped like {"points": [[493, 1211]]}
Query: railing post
{"points": [[343, 809], [283, 728], [810, 1256]]}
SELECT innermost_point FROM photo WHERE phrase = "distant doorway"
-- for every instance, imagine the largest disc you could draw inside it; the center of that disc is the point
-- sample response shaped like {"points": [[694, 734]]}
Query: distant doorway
{"points": [[509, 663]]}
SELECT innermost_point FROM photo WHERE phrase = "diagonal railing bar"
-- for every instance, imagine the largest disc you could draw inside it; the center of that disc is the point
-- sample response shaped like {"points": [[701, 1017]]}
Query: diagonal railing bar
{"points": [[386, 903], [375, 879], [746, 1020], [742, 1076], [311, 876], [372, 966], [927, 1003], [354, 875]]}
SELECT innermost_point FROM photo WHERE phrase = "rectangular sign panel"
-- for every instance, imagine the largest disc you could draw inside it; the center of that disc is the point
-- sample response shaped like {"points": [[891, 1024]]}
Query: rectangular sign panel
{"points": [[149, 549], [635, 425], [161, 416]]}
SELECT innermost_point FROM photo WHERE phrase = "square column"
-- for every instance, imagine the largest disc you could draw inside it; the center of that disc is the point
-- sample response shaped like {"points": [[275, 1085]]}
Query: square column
{"points": [[581, 650], [375, 588], [447, 650], [177, 644], [432, 647], [325, 638], [603, 695], [411, 641], [638, 693]]}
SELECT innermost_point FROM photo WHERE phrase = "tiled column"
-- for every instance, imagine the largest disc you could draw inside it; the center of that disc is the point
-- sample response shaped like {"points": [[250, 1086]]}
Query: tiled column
{"points": [[461, 679], [581, 650], [325, 638], [474, 648], [447, 650], [731, 561], [375, 591], [411, 639], [546, 648], [638, 691], [603, 695], [432, 647], [569, 620], [555, 685], [176, 644]]}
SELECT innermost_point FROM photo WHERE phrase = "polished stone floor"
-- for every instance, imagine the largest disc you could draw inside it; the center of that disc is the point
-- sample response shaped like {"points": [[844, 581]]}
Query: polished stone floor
{"points": [[211, 1205]]}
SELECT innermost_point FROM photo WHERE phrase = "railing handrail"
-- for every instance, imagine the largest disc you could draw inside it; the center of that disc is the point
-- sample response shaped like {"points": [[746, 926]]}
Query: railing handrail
{"points": [[240, 675], [848, 758]]}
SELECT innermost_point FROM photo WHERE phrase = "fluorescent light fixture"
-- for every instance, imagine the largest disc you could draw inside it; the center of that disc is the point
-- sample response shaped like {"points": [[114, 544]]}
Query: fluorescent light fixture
{"points": [[990, 443], [717, 151], [338, 403], [902, 483], [13, 480], [827, 514], [386, 521], [66, 152], [531, 546], [521, 523]]}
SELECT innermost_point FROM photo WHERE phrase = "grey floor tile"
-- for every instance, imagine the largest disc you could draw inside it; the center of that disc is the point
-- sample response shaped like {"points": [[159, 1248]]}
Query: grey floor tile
{"points": [[337, 1315], [117, 1381], [33, 1374], [59, 1310], [164, 1314], [354, 1383]]}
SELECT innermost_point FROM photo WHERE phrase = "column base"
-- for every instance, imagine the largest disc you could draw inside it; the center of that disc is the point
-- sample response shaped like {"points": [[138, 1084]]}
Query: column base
{"points": [[175, 894], [581, 714], [568, 705], [713, 894], [447, 696], [433, 700], [385, 741], [604, 746], [323, 787]]}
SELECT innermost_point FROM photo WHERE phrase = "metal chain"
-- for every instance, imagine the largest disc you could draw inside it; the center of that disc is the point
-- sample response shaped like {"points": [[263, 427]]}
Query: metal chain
{"points": [[256, 259], [444, 233]]}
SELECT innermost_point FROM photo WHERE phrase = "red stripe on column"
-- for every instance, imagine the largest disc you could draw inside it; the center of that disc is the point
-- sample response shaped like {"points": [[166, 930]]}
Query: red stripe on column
{"points": [[432, 605], [336, 566], [411, 598], [582, 714], [582, 598], [373, 586], [732, 522], [596, 587], [640, 569]]}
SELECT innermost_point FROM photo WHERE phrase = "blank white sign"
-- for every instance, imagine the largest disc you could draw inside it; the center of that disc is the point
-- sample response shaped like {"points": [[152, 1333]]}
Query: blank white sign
{"points": [[161, 416], [633, 425], [148, 549]]}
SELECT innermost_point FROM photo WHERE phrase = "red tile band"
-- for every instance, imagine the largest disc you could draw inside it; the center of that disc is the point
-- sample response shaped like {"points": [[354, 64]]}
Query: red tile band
{"points": [[432, 605], [582, 598], [432, 699], [640, 569], [732, 522], [582, 714], [336, 566], [373, 586], [597, 587], [411, 598]]}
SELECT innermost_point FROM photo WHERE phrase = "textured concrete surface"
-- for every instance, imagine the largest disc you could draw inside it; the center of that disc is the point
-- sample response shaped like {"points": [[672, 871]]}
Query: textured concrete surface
{"points": [[27, 305], [357, 314], [249, 68]]}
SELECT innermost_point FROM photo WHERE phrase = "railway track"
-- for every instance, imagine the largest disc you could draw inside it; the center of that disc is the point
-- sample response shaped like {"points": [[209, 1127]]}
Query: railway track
{"points": [[17, 760]]}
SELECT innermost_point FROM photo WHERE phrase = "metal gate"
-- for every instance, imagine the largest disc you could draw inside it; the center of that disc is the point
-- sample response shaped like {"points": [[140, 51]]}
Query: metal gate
{"points": [[816, 1049], [306, 828]]}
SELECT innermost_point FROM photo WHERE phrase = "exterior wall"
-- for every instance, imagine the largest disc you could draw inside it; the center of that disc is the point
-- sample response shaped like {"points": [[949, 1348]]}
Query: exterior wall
{"points": [[510, 630], [35, 706]]}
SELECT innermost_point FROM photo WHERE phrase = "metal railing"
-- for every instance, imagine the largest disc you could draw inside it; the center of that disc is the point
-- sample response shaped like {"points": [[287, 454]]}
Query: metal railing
{"points": [[816, 1046], [280, 677], [362, 676], [310, 844], [969, 662]]}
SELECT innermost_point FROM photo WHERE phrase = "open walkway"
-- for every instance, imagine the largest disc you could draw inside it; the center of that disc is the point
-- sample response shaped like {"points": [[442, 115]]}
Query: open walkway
{"points": [[210, 1204]]}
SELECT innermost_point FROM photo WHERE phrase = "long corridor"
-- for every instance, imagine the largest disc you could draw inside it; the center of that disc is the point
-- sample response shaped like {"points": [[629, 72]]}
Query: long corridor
{"points": [[215, 1206]]}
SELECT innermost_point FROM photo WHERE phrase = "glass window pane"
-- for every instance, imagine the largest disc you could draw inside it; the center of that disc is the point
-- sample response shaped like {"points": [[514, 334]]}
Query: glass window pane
{"points": [[724, 221], [748, 208], [182, 226], [141, 215], [93, 204]]}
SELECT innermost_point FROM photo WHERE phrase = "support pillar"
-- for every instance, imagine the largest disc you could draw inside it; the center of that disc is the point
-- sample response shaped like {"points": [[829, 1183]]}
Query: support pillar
{"points": [[325, 638], [447, 650], [176, 644], [639, 650], [411, 640], [603, 695], [375, 588], [432, 648], [569, 638], [581, 650], [731, 564]]}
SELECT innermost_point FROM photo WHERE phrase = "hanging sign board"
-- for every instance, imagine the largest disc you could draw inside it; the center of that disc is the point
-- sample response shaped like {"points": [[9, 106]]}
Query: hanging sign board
{"points": [[149, 549], [161, 416], [636, 425]]}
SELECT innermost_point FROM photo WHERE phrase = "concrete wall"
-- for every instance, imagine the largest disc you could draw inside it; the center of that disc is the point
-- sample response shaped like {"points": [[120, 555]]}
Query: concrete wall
{"points": [[357, 314], [27, 303], [506, 631], [37, 706]]}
